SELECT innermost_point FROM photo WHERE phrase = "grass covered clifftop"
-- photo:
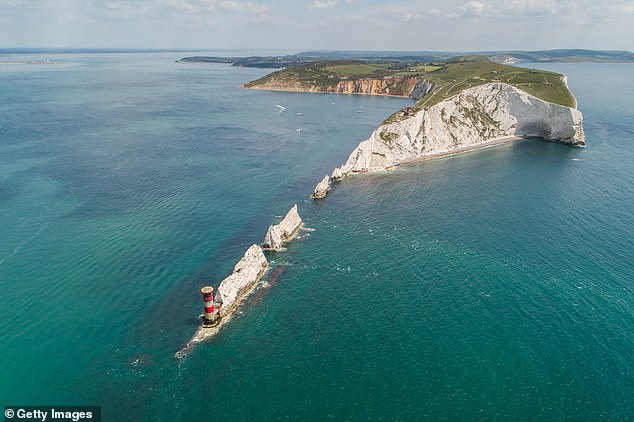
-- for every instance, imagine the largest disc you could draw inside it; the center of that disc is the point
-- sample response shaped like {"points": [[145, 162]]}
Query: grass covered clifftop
{"points": [[327, 74], [448, 78], [456, 77], [346, 76]]}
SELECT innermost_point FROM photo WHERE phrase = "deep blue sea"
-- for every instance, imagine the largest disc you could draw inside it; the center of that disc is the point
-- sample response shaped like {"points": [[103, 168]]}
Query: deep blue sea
{"points": [[492, 285]]}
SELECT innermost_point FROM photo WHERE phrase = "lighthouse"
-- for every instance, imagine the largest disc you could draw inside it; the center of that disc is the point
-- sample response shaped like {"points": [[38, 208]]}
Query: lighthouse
{"points": [[210, 316]]}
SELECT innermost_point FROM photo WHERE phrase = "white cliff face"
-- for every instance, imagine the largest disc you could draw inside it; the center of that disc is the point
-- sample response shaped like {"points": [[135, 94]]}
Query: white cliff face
{"points": [[243, 279], [291, 223], [475, 116], [322, 188], [422, 88], [274, 239], [281, 233], [338, 174]]}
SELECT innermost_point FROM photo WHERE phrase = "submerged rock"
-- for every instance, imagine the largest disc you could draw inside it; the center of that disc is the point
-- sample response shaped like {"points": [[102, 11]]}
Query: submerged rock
{"points": [[322, 188], [283, 232]]}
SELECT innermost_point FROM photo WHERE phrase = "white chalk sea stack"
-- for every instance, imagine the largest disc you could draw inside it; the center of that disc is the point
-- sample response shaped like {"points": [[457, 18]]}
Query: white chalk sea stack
{"points": [[283, 232], [242, 280], [322, 188]]}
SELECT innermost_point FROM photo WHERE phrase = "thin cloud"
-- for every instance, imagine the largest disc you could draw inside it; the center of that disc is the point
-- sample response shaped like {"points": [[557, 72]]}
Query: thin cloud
{"points": [[249, 6], [532, 7], [147, 9], [615, 9], [472, 9], [323, 4], [349, 19], [498, 9], [453, 24], [410, 17]]}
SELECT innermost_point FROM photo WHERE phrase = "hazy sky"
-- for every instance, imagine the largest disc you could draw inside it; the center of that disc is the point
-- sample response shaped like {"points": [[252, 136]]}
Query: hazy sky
{"points": [[319, 24]]}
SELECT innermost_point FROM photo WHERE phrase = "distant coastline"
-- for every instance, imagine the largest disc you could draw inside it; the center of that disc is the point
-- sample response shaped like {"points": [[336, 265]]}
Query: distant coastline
{"points": [[18, 63], [502, 57]]}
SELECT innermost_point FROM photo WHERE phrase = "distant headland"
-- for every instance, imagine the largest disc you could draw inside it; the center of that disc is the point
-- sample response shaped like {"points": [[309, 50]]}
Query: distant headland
{"points": [[463, 103], [503, 57]]}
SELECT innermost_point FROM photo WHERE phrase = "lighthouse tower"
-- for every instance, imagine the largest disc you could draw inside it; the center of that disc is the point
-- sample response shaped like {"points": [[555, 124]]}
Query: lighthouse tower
{"points": [[210, 317]]}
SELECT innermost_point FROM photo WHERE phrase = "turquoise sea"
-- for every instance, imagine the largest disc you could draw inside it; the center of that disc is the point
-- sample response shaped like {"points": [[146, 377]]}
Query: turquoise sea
{"points": [[493, 285]]}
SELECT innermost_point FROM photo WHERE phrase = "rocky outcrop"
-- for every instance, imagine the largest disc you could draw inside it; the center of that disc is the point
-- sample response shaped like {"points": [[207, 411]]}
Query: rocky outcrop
{"points": [[422, 88], [338, 174], [411, 87], [401, 87], [280, 234], [322, 188], [242, 280], [273, 241], [474, 117], [287, 85]]}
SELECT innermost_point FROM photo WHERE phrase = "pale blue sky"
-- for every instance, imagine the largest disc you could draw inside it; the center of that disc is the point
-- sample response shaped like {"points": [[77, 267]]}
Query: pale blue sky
{"points": [[319, 24]]}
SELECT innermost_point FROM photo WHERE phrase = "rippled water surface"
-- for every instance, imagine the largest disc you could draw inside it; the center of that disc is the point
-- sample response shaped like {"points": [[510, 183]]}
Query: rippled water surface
{"points": [[491, 285]]}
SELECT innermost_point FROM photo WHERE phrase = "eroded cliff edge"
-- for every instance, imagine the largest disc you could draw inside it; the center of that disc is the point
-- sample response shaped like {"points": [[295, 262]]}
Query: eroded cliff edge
{"points": [[409, 87], [474, 117]]}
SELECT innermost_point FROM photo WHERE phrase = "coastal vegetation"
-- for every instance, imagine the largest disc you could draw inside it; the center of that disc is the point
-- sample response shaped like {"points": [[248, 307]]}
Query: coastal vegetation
{"points": [[456, 77], [504, 57], [448, 78]]}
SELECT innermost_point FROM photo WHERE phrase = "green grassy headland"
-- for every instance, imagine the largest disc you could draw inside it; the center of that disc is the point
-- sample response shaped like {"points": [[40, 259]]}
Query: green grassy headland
{"points": [[450, 77]]}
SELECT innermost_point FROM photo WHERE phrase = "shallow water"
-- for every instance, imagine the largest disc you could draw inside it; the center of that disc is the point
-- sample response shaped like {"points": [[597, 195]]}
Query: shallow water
{"points": [[492, 285]]}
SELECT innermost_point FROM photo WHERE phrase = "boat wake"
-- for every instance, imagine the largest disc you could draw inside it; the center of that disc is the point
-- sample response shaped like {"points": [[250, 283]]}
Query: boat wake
{"points": [[24, 243]]}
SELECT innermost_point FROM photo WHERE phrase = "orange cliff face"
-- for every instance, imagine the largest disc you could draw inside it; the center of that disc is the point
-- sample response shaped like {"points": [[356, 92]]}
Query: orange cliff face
{"points": [[401, 87], [395, 86], [285, 85]]}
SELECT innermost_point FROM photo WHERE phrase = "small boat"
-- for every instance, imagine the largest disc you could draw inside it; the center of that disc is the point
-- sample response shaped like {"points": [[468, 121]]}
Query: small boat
{"points": [[298, 114]]}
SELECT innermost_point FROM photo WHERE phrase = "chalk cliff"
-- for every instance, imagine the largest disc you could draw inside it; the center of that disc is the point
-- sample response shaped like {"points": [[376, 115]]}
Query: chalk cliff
{"points": [[283, 232], [475, 116], [322, 188], [243, 279]]}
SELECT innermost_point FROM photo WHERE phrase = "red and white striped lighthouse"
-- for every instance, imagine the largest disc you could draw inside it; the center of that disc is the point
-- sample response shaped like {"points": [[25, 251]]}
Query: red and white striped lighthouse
{"points": [[208, 299]]}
